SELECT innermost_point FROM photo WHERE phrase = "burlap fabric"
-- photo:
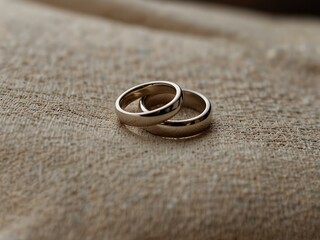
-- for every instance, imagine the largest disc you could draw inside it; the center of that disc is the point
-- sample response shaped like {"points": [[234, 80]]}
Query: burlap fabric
{"points": [[70, 170]]}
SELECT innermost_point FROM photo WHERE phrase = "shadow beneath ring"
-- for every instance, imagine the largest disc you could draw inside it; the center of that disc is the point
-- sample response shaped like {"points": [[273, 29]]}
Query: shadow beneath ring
{"points": [[145, 135]]}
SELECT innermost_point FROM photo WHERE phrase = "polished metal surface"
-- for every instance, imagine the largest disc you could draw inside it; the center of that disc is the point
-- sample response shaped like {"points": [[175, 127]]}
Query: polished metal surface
{"points": [[152, 117], [180, 128]]}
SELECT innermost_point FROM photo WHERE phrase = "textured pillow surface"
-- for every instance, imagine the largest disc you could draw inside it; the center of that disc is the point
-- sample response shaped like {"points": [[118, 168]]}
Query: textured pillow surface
{"points": [[70, 170]]}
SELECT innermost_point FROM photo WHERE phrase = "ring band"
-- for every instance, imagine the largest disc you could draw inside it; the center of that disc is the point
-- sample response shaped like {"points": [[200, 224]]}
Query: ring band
{"points": [[180, 128], [152, 117]]}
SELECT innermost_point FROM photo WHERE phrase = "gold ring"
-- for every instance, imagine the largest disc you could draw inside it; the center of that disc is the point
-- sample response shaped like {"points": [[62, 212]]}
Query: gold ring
{"points": [[152, 117], [180, 128]]}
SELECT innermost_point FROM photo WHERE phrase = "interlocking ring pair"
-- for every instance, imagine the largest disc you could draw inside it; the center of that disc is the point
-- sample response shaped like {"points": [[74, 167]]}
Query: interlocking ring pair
{"points": [[157, 121]]}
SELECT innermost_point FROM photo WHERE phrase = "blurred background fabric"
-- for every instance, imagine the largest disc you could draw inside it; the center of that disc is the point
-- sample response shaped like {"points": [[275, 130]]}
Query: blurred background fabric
{"points": [[300, 7], [70, 170]]}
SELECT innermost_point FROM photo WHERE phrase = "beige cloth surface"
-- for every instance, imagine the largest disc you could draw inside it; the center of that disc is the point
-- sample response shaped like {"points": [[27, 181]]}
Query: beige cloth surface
{"points": [[70, 170]]}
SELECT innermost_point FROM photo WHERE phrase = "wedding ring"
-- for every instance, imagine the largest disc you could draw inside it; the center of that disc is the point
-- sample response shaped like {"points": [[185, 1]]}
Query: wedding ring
{"points": [[180, 128], [152, 117]]}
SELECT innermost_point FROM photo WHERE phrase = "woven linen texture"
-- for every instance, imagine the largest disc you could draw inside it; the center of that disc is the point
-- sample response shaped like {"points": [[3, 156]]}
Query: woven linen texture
{"points": [[70, 170]]}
